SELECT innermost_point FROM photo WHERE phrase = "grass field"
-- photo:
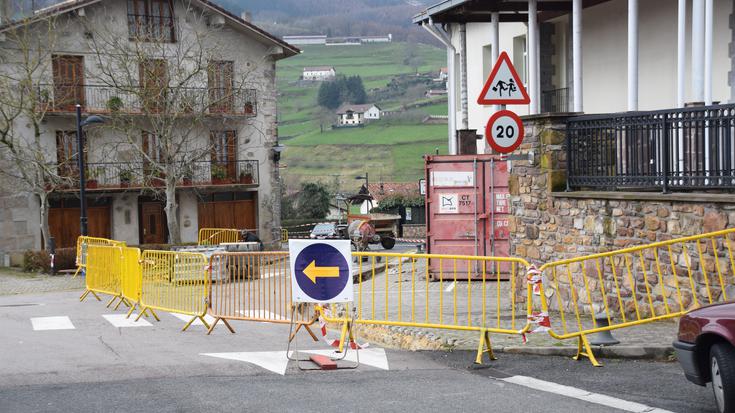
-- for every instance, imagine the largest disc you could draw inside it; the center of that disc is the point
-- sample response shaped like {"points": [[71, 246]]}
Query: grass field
{"points": [[391, 149]]}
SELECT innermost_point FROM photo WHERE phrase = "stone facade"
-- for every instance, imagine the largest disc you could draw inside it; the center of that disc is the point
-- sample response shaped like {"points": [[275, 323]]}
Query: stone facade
{"points": [[548, 224], [414, 231]]}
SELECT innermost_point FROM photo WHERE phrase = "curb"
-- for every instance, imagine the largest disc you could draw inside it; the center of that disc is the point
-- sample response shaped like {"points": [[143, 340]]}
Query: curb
{"points": [[408, 338]]}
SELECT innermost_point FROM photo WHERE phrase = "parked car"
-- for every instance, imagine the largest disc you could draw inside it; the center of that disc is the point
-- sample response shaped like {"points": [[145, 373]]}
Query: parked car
{"points": [[705, 347]]}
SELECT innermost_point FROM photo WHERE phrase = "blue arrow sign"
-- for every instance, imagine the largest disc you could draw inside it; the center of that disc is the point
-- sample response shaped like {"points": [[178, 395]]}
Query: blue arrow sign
{"points": [[321, 271]]}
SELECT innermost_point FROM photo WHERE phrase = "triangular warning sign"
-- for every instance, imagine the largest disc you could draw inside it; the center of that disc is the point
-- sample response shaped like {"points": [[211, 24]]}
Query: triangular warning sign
{"points": [[503, 86]]}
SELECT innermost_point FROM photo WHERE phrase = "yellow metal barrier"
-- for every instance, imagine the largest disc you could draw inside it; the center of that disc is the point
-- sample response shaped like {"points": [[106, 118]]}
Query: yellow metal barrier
{"points": [[83, 242], [104, 269], [284, 235], [132, 280], [395, 289], [254, 286], [175, 282], [216, 236], [638, 285]]}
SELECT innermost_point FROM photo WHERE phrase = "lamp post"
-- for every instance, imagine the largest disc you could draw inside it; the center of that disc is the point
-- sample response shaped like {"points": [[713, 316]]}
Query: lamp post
{"points": [[367, 187], [80, 163]]}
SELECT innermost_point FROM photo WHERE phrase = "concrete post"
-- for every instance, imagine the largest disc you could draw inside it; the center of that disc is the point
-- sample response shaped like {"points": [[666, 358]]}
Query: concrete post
{"points": [[577, 54], [632, 55]]}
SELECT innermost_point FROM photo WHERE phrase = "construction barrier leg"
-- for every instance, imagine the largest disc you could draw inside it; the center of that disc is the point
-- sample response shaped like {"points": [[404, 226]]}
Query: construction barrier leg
{"points": [[87, 292], [153, 313], [217, 320], [189, 323], [343, 335], [131, 310], [585, 350], [76, 272], [109, 303], [206, 325], [484, 347]]}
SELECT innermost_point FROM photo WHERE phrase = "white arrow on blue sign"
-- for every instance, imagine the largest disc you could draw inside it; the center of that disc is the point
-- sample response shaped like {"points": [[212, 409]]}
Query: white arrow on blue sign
{"points": [[321, 271]]}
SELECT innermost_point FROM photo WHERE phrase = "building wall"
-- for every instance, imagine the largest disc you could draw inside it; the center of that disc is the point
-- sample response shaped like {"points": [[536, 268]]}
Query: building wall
{"points": [[372, 113], [256, 135], [604, 44]]}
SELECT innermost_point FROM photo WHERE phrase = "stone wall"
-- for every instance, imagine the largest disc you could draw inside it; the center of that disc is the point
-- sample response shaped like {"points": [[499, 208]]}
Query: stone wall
{"points": [[548, 224], [414, 231]]}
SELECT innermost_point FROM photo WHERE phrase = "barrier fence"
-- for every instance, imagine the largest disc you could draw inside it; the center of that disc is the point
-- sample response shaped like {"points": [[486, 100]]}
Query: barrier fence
{"points": [[396, 289], [254, 286], [216, 236], [176, 282], [635, 286], [83, 242], [103, 271]]}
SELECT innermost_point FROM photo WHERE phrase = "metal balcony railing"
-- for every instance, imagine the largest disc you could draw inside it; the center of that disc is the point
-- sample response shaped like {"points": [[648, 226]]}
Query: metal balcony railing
{"points": [[676, 149], [62, 98], [555, 100], [121, 175]]}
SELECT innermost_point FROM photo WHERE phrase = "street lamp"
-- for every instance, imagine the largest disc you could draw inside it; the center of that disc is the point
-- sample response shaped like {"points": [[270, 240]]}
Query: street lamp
{"points": [[367, 188], [80, 162], [277, 150]]}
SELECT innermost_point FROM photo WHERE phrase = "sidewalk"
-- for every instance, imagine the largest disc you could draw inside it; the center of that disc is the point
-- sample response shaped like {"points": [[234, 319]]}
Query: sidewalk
{"points": [[13, 281]]}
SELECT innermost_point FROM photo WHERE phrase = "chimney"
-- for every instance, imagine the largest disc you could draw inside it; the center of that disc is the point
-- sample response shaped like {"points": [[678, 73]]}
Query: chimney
{"points": [[246, 15]]}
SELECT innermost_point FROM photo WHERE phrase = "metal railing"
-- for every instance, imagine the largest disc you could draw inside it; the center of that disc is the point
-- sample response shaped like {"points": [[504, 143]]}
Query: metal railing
{"points": [[119, 175], [136, 99], [677, 149], [555, 100]]}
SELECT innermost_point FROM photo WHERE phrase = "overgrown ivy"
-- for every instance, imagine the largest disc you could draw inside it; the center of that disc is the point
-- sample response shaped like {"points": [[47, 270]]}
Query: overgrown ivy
{"points": [[393, 202]]}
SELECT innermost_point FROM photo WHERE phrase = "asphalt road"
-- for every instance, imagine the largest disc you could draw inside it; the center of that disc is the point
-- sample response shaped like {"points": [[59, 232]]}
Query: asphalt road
{"points": [[94, 365]]}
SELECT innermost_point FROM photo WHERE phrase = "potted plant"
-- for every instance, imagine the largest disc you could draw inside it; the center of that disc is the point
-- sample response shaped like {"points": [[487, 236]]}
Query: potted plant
{"points": [[158, 178], [219, 174], [249, 108], [187, 176], [246, 176], [114, 104], [92, 176], [126, 176]]}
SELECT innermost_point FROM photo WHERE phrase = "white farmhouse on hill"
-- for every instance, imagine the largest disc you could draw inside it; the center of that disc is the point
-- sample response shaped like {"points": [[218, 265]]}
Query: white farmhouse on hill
{"points": [[355, 115], [319, 73]]}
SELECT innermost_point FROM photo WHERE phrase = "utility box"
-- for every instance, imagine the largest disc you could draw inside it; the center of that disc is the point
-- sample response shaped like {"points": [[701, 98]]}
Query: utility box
{"points": [[467, 213]]}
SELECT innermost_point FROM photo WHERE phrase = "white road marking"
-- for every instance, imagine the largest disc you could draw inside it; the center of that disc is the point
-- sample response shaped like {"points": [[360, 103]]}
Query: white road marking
{"points": [[262, 314], [450, 287], [581, 394], [185, 318], [275, 361], [52, 323], [119, 320]]}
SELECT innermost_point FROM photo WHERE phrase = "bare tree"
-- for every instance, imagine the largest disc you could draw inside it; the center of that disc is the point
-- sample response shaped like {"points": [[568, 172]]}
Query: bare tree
{"points": [[28, 164], [165, 96]]}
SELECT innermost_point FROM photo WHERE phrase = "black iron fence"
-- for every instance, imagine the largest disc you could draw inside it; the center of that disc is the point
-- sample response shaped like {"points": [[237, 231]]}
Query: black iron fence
{"points": [[677, 149], [135, 99], [120, 175], [555, 100]]}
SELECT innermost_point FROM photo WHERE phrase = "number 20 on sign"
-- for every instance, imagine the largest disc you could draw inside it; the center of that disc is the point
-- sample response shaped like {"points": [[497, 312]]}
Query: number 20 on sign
{"points": [[504, 131]]}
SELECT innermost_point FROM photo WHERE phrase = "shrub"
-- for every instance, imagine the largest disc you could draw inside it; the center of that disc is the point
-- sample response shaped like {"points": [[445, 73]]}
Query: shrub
{"points": [[65, 259], [36, 261]]}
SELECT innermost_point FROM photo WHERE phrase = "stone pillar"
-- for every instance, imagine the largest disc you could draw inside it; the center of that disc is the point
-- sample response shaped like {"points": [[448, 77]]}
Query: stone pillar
{"points": [[530, 183]]}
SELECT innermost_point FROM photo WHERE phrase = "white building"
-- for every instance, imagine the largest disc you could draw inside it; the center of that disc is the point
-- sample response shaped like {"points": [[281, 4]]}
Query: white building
{"points": [[354, 115], [233, 184], [306, 39], [620, 55], [319, 73]]}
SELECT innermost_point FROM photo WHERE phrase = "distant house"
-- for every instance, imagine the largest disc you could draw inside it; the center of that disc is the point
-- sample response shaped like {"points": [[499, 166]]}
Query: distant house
{"points": [[306, 39], [318, 73], [377, 39], [356, 115], [443, 74], [435, 92]]}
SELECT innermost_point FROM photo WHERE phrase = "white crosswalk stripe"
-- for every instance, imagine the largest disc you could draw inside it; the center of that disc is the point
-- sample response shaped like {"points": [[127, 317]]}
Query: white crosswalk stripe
{"points": [[52, 323]]}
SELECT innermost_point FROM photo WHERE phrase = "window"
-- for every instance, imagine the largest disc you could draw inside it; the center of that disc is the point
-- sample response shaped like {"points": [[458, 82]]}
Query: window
{"points": [[154, 153], [68, 74], [520, 57], [220, 84], [67, 154], [151, 21], [154, 84], [224, 154]]}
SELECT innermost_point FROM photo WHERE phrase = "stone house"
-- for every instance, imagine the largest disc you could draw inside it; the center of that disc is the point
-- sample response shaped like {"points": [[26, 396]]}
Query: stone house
{"points": [[318, 73], [355, 115], [229, 108]]}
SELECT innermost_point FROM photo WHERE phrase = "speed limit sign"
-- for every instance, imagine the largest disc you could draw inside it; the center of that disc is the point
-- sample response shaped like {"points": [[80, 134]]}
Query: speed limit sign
{"points": [[504, 131]]}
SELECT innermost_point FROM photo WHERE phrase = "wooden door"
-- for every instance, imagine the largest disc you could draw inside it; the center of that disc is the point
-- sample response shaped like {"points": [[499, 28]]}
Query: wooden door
{"points": [[152, 223], [153, 84], [227, 214], [219, 75], [65, 228], [68, 74], [224, 155]]}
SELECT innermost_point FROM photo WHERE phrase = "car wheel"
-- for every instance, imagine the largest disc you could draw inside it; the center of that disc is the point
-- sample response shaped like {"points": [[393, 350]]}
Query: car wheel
{"points": [[388, 243], [722, 370]]}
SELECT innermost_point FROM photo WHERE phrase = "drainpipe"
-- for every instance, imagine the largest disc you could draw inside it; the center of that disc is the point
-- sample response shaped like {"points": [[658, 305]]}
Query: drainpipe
{"points": [[451, 92], [463, 74]]}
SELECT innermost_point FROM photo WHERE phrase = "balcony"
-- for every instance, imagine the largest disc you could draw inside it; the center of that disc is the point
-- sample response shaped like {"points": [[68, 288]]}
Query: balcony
{"points": [[137, 100], [114, 176], [555, 100]]}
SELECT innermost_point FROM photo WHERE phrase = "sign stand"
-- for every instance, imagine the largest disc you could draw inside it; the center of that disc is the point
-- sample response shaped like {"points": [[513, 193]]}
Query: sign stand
{"points": [[321, 274], [346, 332]]}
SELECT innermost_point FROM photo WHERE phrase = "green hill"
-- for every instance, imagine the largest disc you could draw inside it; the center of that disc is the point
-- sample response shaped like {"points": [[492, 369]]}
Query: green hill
{"points": [[391, 148]]}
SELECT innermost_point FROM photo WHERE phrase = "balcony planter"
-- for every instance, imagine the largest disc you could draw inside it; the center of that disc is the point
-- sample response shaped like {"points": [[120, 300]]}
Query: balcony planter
{"points": [[219, 175], [114, 104], [125, 178], [246, 178], [92, 184], [186, 182], [249, 109]]}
